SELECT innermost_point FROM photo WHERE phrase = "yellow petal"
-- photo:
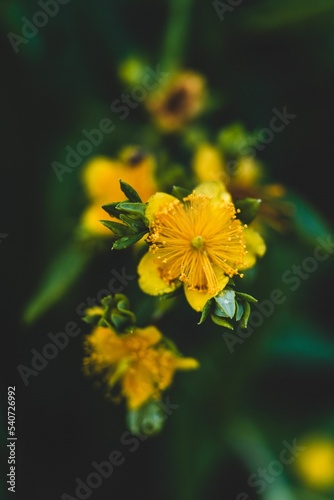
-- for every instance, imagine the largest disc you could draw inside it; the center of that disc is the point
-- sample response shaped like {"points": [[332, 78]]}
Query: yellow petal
{"points": [[137, 387], [100, 177], [90, 221], [197, 300], [215, 190], [149, 278], [248, 172], [186, 363], [151, 335], [255, 246], [105, 347], [156, 202], [208, 163]]}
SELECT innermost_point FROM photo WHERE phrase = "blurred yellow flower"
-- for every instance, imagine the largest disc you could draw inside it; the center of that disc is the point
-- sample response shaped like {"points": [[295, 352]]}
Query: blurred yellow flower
{"points": [[101, 177], [198, 242], [243, 178], [316, 464], [139, 361], [179, 101]]}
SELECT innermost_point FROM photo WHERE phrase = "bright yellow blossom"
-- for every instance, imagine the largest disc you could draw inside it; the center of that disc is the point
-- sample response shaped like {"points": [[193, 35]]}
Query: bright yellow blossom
{"points": [[315, 465], [101, 181], [198, 242], [139, 361]]}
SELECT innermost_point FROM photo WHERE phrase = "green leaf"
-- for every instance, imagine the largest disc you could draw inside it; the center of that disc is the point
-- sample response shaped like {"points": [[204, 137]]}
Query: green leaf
{"points": [[221, 322], [127, 241], [132, 221], [61, 274], [206, 311], [130, 192], [239, 310], [118, 229], [248, 207], [180, 192], [135, 208], [246, 296], [226, 302], [219, 312], [111, 209], [245, 317]]}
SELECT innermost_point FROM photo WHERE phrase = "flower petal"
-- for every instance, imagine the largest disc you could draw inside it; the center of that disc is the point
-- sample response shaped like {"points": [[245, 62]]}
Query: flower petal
{"points": [[105, 347], [215, 190], [100, 178], [197, 300], [255, 246], [149, 278], [150, 334], [90, 221], [207, 163], [157, 201], [137, 387]]}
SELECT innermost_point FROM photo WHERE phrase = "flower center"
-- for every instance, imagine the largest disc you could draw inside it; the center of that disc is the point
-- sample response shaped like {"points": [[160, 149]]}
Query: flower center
{"points": [[198, 242]]}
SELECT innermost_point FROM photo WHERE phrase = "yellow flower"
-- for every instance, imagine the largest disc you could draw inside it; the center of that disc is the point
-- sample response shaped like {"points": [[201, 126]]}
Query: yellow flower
{"points": [[198, 242], [177, 102], [208, 163], [139, 361], [243, 178], [101, 181], [315, 465]]}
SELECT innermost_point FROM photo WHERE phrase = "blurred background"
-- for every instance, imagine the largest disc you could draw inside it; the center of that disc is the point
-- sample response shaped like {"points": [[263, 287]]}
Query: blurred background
{"points": [[238, 410]]}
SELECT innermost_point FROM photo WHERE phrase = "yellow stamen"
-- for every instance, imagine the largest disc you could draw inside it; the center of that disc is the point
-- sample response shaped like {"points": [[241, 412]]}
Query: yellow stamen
{"points": [[191, 240]]}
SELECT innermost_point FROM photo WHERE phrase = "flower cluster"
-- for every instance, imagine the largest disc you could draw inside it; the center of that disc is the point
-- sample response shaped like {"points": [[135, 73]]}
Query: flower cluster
{"points": [[194, 238]]}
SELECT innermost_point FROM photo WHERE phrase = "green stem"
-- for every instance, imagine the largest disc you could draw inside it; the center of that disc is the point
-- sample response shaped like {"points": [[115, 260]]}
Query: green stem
{"points": [[176, 35]]}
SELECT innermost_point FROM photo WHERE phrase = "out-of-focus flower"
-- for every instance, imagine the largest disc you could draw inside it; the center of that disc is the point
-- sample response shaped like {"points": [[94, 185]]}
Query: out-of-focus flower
{"points": [[243, 178], [177, 102], [140, 361], [198, 241], [315, 465], [101, 181]]}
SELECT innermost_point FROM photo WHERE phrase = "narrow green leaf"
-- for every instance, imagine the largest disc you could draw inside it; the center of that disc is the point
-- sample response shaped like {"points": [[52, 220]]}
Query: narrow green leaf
{"points": [[246, 296], [118, 229], [136, 224], [249, 208], [130, 192], [245, 317], [239, 310], [180, 192], [221, 322], [206, 311], [127, 241], [111, 209], [135, 208], [62, 273]]}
